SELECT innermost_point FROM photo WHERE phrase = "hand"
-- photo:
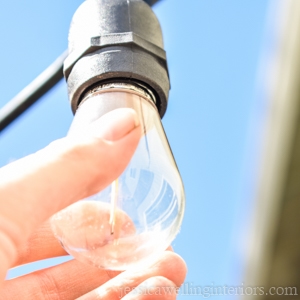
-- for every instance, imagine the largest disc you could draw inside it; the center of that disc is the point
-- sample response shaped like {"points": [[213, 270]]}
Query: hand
{"points": [[34, 188]]}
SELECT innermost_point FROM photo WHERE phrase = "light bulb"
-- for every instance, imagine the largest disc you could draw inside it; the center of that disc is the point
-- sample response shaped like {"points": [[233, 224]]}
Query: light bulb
{"points": [[138, 216]]}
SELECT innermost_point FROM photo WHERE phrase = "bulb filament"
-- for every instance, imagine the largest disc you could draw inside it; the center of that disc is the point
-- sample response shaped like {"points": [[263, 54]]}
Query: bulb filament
{"points": [[114, 198]]}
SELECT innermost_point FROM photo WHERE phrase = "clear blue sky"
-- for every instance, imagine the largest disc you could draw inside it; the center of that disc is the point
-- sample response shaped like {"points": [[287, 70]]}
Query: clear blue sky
{"points": [[214, 49]]}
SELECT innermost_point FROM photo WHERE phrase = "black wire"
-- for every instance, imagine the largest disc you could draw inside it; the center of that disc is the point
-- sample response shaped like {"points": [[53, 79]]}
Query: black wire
{"points": [[36, 89], [33, 92]]}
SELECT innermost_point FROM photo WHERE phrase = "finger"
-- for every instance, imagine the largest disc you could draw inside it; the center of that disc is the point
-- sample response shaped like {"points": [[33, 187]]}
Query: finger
{"points": [[155, 288], [42, 244], [82, 223], [67, 281], [169, 265], [85, 225], [34, 188]]}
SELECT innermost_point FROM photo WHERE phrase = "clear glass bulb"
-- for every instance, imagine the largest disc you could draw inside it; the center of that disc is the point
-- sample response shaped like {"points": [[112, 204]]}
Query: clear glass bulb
{"points": [[139, 214]]}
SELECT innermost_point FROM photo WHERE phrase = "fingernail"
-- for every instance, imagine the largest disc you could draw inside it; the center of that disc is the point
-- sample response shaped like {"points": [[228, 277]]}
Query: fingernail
{"points": [[116, 124]]}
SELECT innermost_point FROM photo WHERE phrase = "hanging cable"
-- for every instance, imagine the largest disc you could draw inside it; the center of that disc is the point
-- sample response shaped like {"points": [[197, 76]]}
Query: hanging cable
{"points": [[33, 92]]}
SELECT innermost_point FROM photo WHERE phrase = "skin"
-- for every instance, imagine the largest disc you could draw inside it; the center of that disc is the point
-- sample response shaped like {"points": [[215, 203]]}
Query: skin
{"points": [[34, 188]]}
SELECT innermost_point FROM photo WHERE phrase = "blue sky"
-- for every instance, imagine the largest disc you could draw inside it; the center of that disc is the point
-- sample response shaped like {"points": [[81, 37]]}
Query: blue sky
{"points": [[214, 49]]}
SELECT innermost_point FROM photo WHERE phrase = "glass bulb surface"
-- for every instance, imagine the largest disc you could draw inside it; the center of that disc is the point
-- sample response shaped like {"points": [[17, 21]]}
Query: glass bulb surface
{"points": [[138, 215]]}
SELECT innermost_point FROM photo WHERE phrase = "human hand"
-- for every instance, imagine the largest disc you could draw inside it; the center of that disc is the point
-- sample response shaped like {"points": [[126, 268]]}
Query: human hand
{"points": [[34, 188]]}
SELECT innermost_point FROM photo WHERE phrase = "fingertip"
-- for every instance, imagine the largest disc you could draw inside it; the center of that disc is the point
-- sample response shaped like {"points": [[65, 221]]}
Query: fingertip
{"points": [[174, 267]]}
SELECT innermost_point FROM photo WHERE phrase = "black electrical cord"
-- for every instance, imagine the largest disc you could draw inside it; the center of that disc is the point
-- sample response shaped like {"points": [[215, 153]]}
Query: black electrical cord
{"points": [[36, 89], [33, 92]]}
